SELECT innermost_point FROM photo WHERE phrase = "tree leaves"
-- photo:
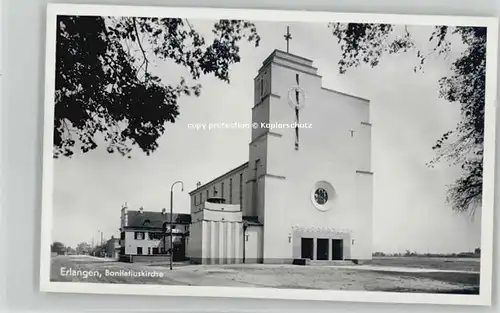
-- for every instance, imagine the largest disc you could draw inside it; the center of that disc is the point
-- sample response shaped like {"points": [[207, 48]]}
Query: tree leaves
{"points": [[355, 51], [366, 43], [105, 90], [57, 247]]}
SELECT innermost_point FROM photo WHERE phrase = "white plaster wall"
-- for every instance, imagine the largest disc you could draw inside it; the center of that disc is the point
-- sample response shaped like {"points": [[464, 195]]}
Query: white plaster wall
{"points": [[257, 151], [363, 135], [210, 215], [195, 241], [223, 207], [363, 245], [288, 60], [253, 243], [132, 244], [329, 153], [260, 113], [222, 242], [217, 212]]}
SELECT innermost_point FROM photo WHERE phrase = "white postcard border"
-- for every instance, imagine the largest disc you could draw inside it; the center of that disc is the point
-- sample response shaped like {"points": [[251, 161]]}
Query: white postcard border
{"points": [[484, 298]]}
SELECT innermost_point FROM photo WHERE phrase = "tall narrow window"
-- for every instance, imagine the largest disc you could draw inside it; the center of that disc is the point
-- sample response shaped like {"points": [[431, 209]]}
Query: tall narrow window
{"points": [[257, 165], [241, 191], [222, 190], [207, 194], [297, 103], [201, 198], [230, 191]]}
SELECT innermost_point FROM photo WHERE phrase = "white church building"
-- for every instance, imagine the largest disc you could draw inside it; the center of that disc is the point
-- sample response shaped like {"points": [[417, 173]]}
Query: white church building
{"points": [[305, 192]]}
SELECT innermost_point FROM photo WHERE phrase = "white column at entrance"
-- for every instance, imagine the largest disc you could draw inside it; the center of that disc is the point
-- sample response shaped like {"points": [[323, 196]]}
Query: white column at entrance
{"points": [[315, 248], [330, 250]]}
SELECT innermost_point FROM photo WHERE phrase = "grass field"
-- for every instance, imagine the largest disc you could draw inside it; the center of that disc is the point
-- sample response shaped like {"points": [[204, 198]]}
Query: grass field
{"points": [[457, 264], [385, 274]]}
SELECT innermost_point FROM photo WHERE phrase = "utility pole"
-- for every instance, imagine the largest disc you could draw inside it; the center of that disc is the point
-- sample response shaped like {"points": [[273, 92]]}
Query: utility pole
{"points": [[171, 219], [101, 235]]}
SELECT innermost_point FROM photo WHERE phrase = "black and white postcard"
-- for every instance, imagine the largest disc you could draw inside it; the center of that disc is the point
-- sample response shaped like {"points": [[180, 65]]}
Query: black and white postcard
{"points": [[269, 154]]}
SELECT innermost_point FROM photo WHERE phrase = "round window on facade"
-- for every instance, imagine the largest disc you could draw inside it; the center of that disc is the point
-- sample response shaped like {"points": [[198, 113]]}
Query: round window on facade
{"points": [[322, 195]]}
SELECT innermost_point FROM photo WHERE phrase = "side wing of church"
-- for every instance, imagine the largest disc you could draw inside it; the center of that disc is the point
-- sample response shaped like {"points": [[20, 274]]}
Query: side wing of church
{"points": [[305, 193]]}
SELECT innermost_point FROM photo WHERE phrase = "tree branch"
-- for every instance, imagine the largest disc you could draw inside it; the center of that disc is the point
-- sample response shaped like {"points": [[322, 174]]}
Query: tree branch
{"points": [[189, 24], [146, 61]]}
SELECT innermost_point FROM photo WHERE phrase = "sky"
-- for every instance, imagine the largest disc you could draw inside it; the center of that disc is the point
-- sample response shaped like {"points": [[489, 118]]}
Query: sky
{"points": [[410, 211]]}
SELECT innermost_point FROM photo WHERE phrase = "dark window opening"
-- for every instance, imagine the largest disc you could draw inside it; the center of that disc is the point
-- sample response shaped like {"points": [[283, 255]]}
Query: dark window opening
{"points": [[139, 235], [230, 190], [307, 248], [337, 249], [155, 236], [322, 249]]}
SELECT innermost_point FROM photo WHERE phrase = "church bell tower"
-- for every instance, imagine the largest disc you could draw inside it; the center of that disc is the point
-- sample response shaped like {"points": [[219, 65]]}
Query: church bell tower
{"points": [[280, 94]]}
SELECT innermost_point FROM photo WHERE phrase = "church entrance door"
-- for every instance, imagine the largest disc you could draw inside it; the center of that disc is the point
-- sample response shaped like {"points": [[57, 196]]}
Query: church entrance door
{"points": [[337, 249], [307, 248], [322, 249]]}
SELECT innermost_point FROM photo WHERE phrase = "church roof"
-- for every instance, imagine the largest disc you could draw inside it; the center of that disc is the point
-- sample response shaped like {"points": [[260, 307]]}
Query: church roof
{"points": [[282, 54], [151, 219], [301, 64], [291, 61]]}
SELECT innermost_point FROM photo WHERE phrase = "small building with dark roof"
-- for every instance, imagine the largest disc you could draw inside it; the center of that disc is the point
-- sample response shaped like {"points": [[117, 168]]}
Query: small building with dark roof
{"points": [[113, 248], [147, 232]]}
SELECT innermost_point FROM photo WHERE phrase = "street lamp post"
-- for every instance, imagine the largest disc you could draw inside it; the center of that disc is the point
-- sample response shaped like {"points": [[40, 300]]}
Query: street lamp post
{"points": [[171, 219], [245, 226]]}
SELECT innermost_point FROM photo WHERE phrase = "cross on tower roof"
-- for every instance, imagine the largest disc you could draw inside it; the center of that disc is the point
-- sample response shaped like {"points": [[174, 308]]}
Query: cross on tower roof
{"points": [[288, 37]]}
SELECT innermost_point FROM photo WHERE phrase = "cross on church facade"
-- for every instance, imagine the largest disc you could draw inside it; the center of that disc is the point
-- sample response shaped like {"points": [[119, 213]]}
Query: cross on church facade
{"points": [[297, 99], [297, 104], [288, 37]]}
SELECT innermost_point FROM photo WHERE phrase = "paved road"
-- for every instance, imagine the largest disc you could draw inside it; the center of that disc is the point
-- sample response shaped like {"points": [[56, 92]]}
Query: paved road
{"points": [[374, 278]]}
